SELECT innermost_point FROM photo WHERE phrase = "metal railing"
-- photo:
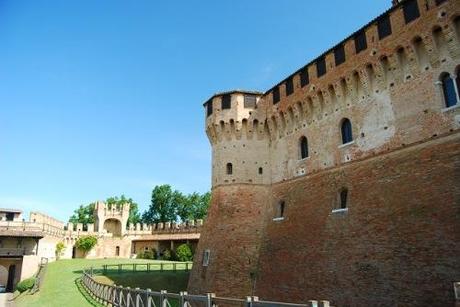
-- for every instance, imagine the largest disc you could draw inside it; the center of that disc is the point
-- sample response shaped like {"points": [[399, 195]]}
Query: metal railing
{"points": [[31, 227], [21, 251], [146, 267], [113, 295], [39, 275]]}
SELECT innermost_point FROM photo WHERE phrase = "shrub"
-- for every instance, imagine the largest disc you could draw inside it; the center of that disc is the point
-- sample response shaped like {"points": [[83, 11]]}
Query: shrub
{"points": [[86, 243], [26, 284], [148, 254], [60, 247], [167, 255], [184, 253]]}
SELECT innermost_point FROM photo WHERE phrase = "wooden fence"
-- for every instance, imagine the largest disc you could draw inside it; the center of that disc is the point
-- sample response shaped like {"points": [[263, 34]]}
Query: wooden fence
{"points": [[119, 296], [146, 267]]}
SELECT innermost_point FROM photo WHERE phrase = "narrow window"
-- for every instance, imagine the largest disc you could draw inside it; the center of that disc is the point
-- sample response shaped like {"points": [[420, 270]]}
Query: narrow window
{"points": [[276, 95], [303, 147], [343, 198], [289, 86], [250, 101], [384, 26], [321, 66], [209, 107], [347, 135], [206, 255], [448, 89], [229, 169], [360, 41], [304, 79], [339, 55], [410, 10], [226, 102], [281, 207], [261, 171], [457, 80]]}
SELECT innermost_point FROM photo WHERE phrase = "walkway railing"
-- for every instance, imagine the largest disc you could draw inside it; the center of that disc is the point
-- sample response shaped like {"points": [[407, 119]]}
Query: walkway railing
{"points": [[146, 267], [126, 297], [40, 274]]}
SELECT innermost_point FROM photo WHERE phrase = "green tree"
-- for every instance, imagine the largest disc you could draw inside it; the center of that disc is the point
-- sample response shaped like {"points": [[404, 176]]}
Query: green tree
{"points": [[164, 204], [84, 214], [193, 206], [86, 243]]}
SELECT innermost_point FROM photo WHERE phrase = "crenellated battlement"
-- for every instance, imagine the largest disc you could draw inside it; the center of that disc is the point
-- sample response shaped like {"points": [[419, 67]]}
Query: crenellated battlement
{"points": [[366, 79], [227, 116]]}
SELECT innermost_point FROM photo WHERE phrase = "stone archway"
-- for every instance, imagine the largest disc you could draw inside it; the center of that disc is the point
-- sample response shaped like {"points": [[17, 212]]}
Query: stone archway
{"points": [[113, 226]]}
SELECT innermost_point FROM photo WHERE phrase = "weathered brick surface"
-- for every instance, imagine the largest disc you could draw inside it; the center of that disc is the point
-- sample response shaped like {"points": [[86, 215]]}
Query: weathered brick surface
{"points": [[398, 244], [233, 233]]}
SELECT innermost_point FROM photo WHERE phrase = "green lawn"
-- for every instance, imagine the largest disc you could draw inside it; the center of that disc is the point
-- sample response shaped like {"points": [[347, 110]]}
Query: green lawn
{"points": [[59, 287], [168, 280]]}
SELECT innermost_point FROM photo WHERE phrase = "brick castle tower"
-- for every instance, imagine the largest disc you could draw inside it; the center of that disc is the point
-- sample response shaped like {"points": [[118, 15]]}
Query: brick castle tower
{"points": [[341, 181]]}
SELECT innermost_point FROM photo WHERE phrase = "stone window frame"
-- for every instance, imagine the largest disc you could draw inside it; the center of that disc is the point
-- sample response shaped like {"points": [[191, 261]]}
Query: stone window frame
{"points": [[206, 257], [280, 211], [455, 78], [340, 205]]}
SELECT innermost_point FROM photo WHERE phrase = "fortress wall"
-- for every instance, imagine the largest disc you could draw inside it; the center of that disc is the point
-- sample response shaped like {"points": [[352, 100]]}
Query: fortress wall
{"points": [[232, 233], [398, 244], [388, 91]]}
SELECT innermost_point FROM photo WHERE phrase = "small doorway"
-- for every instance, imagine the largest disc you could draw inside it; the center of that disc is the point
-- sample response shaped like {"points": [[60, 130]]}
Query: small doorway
{"points": [[74, 252], [11, 274], [117, 251]]}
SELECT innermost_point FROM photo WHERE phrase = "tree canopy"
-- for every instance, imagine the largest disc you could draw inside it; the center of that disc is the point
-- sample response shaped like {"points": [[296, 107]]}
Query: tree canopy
{"points": [[171, 205], [167, 205]]}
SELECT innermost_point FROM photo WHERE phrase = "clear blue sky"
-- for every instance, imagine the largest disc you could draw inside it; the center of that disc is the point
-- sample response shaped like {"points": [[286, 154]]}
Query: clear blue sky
{"points": [[103, 98]]}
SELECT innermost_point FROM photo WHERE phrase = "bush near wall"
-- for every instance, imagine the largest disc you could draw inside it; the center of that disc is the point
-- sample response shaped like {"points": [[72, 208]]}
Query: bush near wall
{"points": [[148, 254], [86, 243], [184, 253], [26, 284]]}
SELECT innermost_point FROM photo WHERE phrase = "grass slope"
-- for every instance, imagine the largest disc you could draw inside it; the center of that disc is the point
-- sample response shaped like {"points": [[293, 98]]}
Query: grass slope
{"points": [[60, 289]]}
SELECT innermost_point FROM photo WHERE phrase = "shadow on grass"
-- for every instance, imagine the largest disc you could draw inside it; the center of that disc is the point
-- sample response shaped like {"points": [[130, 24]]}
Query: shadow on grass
{"points": [[85, 293]]}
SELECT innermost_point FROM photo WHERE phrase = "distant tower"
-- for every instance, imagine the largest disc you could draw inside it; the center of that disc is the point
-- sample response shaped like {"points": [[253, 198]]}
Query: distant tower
{"points": [[240, 192], [111, 220]]}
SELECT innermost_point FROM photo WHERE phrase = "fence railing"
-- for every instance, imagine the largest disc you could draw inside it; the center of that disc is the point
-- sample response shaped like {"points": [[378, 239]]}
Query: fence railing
{"points": [[146, 267], [31, 227], [4, 251], [40, 274], [119, 296]]}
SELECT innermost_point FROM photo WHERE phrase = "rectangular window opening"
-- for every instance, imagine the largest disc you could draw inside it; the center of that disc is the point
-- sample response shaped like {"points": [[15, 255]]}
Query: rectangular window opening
{"points": [[339, 55], [321, 66], [289, 86], [250, 101], [206, 255], [411, 10], [384, 26], [304, 79], [209, 107], [360, 41], [276, 95], [226, 101]]}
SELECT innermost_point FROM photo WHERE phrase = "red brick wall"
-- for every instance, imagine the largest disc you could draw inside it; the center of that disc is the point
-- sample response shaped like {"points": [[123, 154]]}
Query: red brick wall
{"points": [[398, 244], [233, 233]]}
